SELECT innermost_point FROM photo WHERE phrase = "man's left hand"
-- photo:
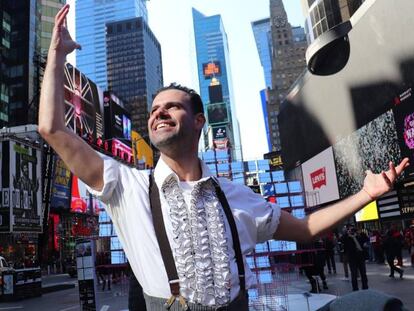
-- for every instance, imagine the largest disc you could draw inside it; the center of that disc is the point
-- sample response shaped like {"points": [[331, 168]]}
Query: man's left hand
{"points": [[376, 185]]}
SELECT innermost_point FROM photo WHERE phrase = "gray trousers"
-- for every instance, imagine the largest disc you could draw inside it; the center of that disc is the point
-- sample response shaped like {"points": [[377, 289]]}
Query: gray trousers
{"points": [[241, 303]]}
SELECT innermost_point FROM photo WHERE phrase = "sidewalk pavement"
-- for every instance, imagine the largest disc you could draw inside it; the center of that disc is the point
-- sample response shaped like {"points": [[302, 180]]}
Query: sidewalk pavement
{"points": [[378, 279]]}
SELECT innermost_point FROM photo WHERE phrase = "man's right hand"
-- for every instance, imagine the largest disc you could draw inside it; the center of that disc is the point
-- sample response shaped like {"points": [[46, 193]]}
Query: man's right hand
{"points": [[62, 43]]}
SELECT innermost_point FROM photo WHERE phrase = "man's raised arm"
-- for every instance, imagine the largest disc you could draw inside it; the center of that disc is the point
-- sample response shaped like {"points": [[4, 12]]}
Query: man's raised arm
{"points": [[81, 159], [304, 230]]}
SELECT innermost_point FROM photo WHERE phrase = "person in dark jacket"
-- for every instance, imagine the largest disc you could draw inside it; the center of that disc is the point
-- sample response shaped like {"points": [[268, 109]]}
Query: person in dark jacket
{"points": [[391, 247], [329, 245], [354, 248], [317, 267]]}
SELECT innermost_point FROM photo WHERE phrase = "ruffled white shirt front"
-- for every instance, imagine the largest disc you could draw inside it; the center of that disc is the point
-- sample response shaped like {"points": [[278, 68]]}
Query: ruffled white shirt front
{"points": [[125, 192]]}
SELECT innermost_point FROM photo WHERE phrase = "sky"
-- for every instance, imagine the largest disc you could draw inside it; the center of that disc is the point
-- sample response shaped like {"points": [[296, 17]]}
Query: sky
{"points": [[171, 22]]}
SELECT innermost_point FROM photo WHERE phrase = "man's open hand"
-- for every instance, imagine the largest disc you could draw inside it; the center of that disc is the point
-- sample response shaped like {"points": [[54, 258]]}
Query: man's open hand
{"points": [[62, 43], [376, 185]]}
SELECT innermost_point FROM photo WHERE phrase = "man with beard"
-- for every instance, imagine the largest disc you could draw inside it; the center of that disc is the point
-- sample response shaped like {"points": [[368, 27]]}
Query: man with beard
{"points": [[185, 232]]}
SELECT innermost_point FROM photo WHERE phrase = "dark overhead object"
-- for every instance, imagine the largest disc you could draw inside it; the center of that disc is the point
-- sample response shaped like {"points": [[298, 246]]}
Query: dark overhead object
{"points": [[329, 53]]}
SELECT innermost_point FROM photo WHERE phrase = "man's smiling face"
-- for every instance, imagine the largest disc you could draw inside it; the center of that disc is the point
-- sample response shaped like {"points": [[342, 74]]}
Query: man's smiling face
{"points": [[172, 120]]}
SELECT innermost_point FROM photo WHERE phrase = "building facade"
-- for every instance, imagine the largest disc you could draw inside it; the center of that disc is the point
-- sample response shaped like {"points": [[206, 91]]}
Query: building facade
{"points": [[19, 51], [213, 67], [134, 68], [49, 9], [262, 36], [288, 62], [91, 17], [322, 15]]}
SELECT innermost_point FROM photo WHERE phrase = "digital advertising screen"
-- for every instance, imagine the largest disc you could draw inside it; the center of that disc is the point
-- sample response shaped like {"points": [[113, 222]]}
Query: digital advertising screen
{"points": [[319, 178], [219, 132], [404, 122], [117, 119], [369, 148], [25, 190], [369, 212], [215, 93], [275, 160], [211, 69], [81, 200], [217, 113], [83, 104], [61, 186]]}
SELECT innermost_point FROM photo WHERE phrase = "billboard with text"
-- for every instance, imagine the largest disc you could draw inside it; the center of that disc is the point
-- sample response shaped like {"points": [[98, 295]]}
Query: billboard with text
{"points": [[319, 178]]}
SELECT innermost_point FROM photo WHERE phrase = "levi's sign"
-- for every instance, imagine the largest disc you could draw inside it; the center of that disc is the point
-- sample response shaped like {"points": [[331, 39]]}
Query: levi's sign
{"points": [[318, 178]]}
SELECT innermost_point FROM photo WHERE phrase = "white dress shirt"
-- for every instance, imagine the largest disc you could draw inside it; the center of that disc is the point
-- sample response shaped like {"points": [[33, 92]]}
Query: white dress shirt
{"points": [[126, 194]]}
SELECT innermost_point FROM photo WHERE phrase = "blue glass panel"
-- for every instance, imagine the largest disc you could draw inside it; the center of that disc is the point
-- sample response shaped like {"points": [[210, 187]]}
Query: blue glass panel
{"points": [[283, 202], [278, 176], [295, 186], [281, 188], [297, 200], [265, 178]]}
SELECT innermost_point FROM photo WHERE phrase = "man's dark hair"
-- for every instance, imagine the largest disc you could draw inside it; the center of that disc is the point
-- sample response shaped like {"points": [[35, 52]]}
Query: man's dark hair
{"points": [[195, 99]]}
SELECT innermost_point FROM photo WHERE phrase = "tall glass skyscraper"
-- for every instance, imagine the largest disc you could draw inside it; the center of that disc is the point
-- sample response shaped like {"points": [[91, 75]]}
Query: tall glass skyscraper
{"points": [[91, 17], [213, 67], [134, 68], [263, 38]]}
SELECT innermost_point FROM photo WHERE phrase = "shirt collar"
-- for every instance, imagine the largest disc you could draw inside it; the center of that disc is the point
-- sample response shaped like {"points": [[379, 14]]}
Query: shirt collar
{"points": [[162, 172]]}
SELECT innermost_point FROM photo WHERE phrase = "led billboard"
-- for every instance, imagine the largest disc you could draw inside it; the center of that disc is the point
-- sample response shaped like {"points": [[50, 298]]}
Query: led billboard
{"points": [[211, 69], [117, 119], [275, 160], [319, 178], [25, 196], [369, 212], [217, 113], [404, 124], [83, 104], [219, 132], [215, 93], [369, 148], [61, 183]]}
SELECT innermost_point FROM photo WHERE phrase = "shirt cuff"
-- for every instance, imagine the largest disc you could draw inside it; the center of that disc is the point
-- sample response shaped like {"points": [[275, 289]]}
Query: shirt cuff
{"points": [[110, 177], [267, 230]]}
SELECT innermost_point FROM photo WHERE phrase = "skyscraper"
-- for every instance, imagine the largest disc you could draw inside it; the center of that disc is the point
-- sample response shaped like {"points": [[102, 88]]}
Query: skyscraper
{"points": [[91, 17], [19, 50], [134, 67], [288, 62], [48, 10], [262, 36], [213, 67]]}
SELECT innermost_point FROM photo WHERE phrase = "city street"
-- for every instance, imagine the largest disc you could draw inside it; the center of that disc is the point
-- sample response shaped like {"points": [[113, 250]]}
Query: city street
{"points": [[68, 300], [117, 298]]}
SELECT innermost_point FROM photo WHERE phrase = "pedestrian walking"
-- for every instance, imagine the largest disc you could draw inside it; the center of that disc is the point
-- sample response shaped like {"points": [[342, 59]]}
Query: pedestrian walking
{"points": [[353, 244], [185, 232], [392, 247], [329, 244]]}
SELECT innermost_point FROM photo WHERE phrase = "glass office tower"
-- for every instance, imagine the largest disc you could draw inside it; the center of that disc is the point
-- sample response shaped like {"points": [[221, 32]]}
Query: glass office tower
{"points": [[134, 68], [213, 66], [91, 17], [263, 38]]}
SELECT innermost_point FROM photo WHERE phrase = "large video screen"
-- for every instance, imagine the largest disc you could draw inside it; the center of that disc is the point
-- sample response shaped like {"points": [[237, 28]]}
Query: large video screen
{"points": [[61, 186], [217, 113], [319, 179], [83, 104], [404, 123], [369, 148], [25, 190]]}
